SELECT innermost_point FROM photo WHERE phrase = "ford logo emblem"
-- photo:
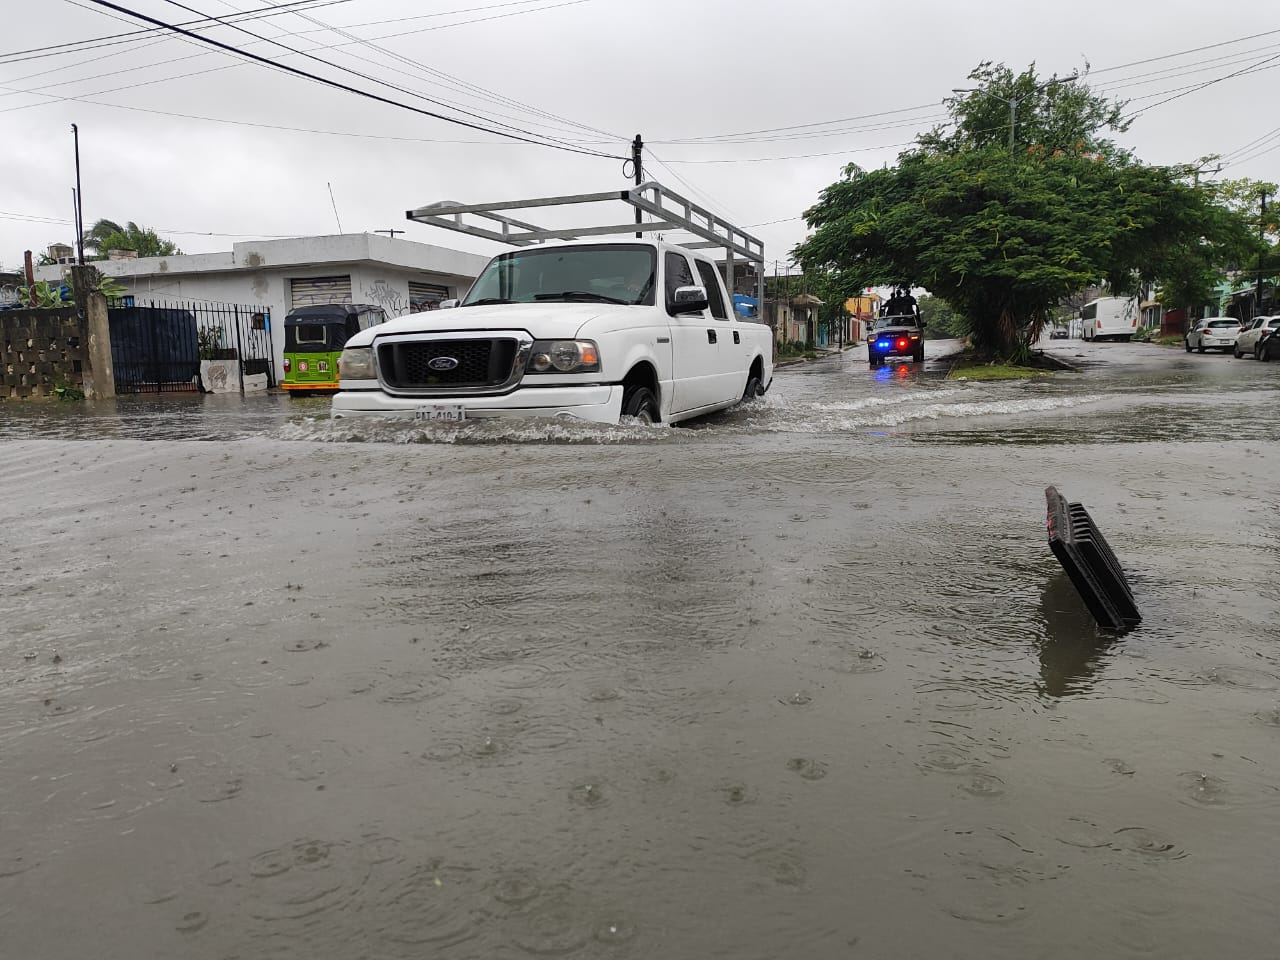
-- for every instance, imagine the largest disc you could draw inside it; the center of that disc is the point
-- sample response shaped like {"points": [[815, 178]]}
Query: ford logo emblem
{"points": [[442, 363]]}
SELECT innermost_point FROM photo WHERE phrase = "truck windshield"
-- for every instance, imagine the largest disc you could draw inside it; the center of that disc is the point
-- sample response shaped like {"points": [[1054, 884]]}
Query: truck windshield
{"points": [[881, 323], [620, 273]]}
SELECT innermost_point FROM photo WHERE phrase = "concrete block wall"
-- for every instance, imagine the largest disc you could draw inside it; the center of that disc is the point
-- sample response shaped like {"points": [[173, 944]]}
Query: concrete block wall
{"points": [[41, 350]]}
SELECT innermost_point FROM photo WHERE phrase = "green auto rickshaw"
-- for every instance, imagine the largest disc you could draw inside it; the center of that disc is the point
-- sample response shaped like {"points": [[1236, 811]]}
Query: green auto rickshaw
{"points": [[314, 337]]}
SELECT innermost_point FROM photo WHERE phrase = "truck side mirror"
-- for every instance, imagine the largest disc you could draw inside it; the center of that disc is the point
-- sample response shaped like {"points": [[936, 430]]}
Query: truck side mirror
{"points": [[448, 304], [689, 300]]}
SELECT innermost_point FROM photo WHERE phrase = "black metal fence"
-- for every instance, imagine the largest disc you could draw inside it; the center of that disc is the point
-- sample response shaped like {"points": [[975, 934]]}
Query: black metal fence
{"points": [[157, 345]]}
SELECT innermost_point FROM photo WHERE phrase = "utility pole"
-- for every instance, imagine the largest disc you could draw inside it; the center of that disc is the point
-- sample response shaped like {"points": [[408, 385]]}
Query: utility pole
{"points": [[637, 164], [1199, 170], [1262, 236], [79, 201]]}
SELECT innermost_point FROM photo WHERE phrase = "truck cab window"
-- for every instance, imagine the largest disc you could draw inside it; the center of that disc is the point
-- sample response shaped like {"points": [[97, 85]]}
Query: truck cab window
{"points": [[678, 274], [708, 274]]}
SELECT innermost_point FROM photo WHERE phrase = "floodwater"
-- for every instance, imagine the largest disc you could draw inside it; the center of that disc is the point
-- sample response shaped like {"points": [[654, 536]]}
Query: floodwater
{"points": [[803, 680]]}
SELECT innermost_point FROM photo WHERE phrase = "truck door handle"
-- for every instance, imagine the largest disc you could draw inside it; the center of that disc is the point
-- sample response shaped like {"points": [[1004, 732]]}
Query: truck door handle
{"points": [[736, 338], [711, 336]]}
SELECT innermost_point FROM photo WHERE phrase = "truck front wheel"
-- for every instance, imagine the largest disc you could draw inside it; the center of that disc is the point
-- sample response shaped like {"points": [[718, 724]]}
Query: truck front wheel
{"points": [[640, 403]]}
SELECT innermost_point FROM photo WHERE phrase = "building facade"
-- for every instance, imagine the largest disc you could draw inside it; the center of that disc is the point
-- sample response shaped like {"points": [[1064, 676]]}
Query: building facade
{"points": [[401, 276]]}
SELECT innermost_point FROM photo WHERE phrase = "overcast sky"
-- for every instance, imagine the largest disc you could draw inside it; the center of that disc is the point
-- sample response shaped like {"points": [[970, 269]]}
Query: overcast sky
{"points": [[209, 149]]}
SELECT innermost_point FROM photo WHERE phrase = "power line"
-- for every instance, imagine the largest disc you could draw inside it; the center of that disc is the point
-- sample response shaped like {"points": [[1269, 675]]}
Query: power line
{"points": [[325, 27], [131, 36], [272, 126], [1256, 154], [802, 156], [770, 223], [1186, 70], [371, 79], [1253, 149], [816, 134], [62, 221], [1183, 53], [346, 87], [130, 86], [1201, 86], [711, 200], [728, 137], [800, 126], [428, 72], [1242, 149], [456, 82]]}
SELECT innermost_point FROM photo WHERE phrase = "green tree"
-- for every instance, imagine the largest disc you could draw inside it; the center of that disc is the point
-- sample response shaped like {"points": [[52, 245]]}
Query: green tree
{"points": [[1004, 236], [1244, 196], [1190, 268], [95, 236], [940, 320], [1052, 114], [108, 235]]}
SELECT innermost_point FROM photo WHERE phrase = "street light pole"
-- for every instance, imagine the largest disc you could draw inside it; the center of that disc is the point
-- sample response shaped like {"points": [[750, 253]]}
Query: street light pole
{"points": [[1014, 101]]}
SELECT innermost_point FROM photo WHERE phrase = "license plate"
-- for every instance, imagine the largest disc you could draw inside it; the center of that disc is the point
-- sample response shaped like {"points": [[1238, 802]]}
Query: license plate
{"points": [[440, 411]]}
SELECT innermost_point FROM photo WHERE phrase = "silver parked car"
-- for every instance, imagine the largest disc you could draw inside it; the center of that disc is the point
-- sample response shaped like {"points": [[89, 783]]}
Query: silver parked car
{"points": [[1251, 337], [1213, 333]]}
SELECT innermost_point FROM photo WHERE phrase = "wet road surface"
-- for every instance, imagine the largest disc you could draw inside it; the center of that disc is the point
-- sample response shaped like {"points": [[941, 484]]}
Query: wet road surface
{"points": [[802, 680]]}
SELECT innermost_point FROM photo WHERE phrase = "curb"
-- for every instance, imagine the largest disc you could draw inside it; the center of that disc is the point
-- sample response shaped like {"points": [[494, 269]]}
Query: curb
{"points": [[791, 361]]}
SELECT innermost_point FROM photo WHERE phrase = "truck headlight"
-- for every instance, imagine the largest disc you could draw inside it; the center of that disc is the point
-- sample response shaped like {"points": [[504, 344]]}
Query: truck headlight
{"points": [[356, 363], [564, 356]]}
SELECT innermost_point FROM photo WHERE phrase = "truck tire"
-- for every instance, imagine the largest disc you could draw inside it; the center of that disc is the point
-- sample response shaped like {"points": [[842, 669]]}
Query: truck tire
{"points": [[873, 360], [754, 388], [640, 403], [918, 356]]}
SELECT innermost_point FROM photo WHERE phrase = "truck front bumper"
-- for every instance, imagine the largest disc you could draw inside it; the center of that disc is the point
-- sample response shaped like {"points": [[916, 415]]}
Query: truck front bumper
{"points": [[598, 404]]}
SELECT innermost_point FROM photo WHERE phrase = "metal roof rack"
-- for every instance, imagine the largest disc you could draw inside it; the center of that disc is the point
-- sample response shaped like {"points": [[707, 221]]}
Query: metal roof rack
{"points": [[669, 210]]}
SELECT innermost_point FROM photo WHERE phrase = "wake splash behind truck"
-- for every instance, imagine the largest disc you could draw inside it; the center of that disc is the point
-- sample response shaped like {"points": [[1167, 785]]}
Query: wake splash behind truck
{"points": [[572, 326]]}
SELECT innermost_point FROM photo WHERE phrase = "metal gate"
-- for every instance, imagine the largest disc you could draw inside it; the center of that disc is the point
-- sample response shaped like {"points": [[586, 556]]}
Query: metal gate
{"points": [[157, 345]]}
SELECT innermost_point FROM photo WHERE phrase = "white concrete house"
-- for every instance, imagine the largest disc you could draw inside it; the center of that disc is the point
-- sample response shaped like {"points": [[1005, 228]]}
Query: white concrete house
{"points": [[401, 276]]}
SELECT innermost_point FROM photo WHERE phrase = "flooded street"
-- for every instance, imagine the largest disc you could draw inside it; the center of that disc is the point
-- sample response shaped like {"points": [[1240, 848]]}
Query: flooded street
{"points": [[801, 680]]}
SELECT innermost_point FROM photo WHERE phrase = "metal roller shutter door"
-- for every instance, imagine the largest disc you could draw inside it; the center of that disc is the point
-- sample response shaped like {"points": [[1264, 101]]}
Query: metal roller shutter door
{"points": [[314, 291]]}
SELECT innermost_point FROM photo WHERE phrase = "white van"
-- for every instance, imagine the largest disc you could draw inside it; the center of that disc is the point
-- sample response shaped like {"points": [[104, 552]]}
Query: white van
{"points": [[1114, 318]]}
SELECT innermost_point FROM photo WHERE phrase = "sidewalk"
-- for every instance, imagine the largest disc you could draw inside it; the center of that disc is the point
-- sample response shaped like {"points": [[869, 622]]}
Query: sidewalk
{"points": [[822, 354]]}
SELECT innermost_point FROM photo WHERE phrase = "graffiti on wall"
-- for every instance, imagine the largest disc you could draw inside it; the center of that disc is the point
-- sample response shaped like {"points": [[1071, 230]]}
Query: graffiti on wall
{"points": [[385, 296]]}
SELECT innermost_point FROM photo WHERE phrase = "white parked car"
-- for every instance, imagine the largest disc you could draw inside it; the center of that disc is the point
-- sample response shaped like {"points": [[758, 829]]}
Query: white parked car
{"points": [[587, 329], [1213, 333], [1251, 336]]}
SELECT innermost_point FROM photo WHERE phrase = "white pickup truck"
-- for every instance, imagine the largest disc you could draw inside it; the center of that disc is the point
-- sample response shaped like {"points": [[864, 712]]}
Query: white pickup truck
{"points": [[596, 331]]}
